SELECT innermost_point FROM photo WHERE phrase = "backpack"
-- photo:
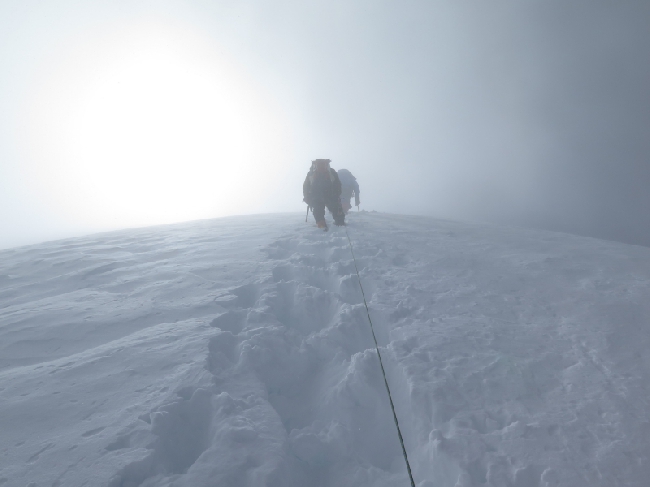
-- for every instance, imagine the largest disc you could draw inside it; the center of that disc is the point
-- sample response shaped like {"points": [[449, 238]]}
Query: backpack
{"points": [[312, 174], [312, 170]]}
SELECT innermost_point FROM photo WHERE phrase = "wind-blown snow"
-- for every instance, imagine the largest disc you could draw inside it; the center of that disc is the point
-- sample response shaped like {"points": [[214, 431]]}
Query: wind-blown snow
{"points": [[237, 352]]}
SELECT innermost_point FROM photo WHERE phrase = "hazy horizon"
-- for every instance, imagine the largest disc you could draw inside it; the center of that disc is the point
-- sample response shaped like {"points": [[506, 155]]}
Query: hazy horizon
{"points": [[118, 115]]}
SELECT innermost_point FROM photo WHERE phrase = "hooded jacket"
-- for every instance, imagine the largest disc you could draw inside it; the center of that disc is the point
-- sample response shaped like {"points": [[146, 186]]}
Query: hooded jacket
{"points": [[349, 186]]}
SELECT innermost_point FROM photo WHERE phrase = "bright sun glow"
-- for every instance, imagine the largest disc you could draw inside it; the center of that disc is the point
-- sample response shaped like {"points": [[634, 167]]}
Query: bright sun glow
{"points": [[156, 126]]}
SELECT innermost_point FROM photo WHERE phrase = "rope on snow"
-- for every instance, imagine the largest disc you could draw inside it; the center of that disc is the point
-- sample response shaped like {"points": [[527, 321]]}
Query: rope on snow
{"points": [[381, 364]]}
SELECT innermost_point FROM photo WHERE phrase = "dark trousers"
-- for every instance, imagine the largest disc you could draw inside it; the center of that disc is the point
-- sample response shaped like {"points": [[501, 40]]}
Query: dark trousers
{"points": [[333, 206]]}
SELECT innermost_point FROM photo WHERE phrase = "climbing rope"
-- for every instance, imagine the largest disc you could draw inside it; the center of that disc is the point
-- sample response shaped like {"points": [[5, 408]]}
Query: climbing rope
{"points": [[381, 363]]}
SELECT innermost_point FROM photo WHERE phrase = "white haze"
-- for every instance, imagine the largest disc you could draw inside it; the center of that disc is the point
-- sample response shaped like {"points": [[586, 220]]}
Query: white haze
{"points": [[530, 113]]}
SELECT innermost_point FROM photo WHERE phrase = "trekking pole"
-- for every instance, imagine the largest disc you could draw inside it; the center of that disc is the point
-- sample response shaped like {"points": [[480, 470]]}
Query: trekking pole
{"points": [[307, 215]]}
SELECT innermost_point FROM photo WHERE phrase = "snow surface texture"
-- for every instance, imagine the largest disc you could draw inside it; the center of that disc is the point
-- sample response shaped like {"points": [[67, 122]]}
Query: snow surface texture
{"points": [[236, 352]]}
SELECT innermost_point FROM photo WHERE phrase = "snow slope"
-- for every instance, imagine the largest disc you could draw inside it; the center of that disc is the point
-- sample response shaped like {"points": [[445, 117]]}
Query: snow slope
{"points": [[236, 352]]}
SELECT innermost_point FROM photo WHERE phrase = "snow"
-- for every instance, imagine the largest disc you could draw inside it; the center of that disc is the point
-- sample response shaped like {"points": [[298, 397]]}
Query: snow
{"points": [[237, 352]]}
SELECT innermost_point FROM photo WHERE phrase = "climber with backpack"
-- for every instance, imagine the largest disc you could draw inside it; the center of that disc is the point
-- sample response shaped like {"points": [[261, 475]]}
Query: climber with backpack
{"points": [[349, 186], [321, 189]]}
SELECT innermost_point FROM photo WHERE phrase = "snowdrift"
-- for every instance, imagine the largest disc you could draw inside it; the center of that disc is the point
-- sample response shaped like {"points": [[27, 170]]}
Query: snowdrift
{"points": [[237, 352]]}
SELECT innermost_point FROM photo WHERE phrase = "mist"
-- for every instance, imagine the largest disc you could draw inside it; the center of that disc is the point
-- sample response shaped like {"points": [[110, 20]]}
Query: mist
{"points": [[522, 113]]}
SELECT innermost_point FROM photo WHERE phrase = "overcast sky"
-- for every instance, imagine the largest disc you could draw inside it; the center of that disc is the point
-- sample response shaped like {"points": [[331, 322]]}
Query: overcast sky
{"points": [[132, 113]]}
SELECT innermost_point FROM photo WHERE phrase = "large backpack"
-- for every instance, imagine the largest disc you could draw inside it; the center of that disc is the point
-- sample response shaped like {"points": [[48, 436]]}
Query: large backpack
{"points": [[312, 170]]}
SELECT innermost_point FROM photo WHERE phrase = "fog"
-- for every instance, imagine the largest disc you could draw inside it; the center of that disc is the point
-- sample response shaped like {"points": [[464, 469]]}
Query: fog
{"points": [[526, 113]]}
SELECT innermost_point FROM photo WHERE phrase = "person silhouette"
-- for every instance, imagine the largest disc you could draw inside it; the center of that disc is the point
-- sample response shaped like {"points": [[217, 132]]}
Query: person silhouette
{"points": [[349, 187], [321, 189]]}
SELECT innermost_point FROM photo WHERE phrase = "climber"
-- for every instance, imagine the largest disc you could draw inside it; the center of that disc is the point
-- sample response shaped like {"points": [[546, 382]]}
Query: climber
{"points": [[349, 186], [321, 189]]}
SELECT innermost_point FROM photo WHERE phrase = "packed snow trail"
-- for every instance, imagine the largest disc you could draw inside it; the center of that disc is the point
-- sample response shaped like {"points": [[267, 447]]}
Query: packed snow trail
{"points": [[381, 363], [236, 352]]}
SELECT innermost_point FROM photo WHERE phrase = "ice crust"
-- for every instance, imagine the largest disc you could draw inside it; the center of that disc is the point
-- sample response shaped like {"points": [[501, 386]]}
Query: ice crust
{"points": [[237, 352]]}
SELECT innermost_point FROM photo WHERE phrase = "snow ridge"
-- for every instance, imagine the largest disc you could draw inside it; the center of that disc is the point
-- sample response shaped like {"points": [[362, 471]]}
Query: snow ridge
{"points": [[237, 352], [296, 397]]}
